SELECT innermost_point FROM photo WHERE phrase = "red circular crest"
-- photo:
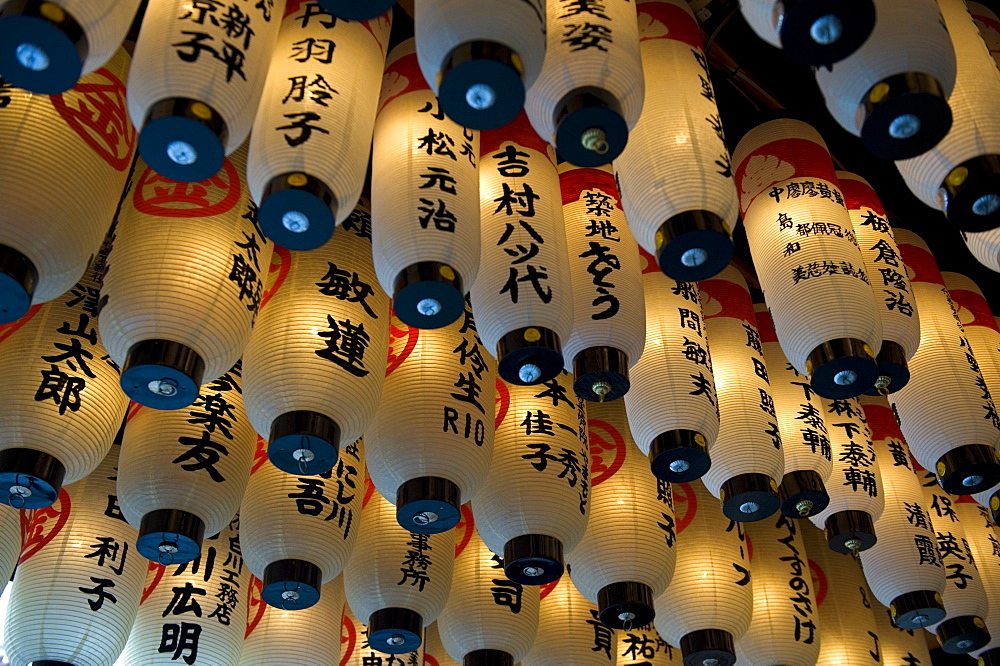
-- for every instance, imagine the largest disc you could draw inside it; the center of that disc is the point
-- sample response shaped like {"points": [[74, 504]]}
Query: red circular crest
{"points": [[402, 341], [819, 580], [348, 639], [43, 525], [607, 450], [154, 574], [466, 526], [162, 197], [502, 402], [255, 606], [7, 330], [281, 263], [369, 490], [649, 264], [685, 504], [545, 590], [97, 112], [259, 455]]}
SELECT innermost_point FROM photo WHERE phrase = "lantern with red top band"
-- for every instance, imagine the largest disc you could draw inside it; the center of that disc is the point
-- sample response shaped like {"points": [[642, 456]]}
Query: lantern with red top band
{"points": [[356, 10], [813, 32]]}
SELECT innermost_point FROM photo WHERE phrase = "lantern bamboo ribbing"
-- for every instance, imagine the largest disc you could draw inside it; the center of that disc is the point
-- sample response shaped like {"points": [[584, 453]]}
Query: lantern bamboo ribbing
{"points": [[570, 631], [984, 544]]}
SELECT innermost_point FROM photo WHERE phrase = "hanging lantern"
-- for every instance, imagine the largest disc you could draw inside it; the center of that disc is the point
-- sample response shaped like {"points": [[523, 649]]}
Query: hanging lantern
{"points": [[810, 267], [193, 108], [535, 503], [308, 153], [570, 631], [314, 360], [985, 247], [979, 324], [75, 597], [902, 647], [524, 250], [893, 91], [813, 33], [988, 24], [480, 63], [183, 472], [643, 647], [709, 603], [172, 328], [900, 324], [747, 460], [357, 10], [62, 180], [431, 443], [10, 541], [946, 411], [398, 579], [356, 650], [434, 652], [984, 543], [608, 308], [676, 176], [426, 199], [902, 568], [671, 406]]}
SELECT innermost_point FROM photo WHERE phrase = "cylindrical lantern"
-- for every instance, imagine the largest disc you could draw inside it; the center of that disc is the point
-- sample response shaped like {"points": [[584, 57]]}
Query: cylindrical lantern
{"points": [[984, 543], [535, 503], [314, 361], [425, 203], [989, 27], [170, 326], [195, 612], [198, 75], [308, 181], [893, 91], [182, 473], [810, 267], [75, 597], [398, 579], [747, 461], [899, 647], [63, 180], [813, 33], [643, 646], [672, 407], [709, 603], [357, 651], [12, 535], [609, 311], [985, 247], [676, 176], [947, 413], [979, 324], [524, 293], [434, 652], [590, 90], [570, 631], [480, 63]]}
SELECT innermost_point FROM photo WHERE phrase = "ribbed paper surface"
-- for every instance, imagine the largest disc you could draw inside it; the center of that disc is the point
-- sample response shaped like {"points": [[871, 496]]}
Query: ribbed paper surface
{"points": [[355, 650], [983, 535], [309, 637], [104, 23], [762, 15], [569, 631], [900, 646]]}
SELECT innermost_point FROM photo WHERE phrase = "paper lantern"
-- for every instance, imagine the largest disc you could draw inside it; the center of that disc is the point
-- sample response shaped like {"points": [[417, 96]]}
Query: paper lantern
{"points": [[314, 361], [524, 291], [10, 540], [398, 579], [481, 63], [676, 175], [309, 151], [169, 327], [298, 532], [672, 407], [984, 544], [63, 181], [431, 444], [709, 603], [194, 612], [425, 205], [893, 91], [900, 325], [608, 308], [985, 247], [807, 257], [183, 472], [199, 72], [813, 33], [570, 631], [979, 324], [434, 652], [356, 10], [590, 90], [356, 651], [946, 411], [900, 647], [747, 461], [78, 583], [643, 646], [988, 24], [535, 503], [902, 568], [805, 439]]}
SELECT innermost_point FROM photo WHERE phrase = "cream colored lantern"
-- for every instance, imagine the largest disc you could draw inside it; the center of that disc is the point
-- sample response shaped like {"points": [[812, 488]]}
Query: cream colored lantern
{"points": [[356, 650], [675, 174], [570, 631], [643, 646], [813, 33], [989, 27], [984, 544], [979, 324], [308, 181], [434, 652], [11, 538], [900, 647]]}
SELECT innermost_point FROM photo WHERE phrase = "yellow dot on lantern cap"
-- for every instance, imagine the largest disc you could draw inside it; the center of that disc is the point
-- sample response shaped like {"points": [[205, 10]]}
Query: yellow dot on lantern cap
{"points": [[941, 469], [878, 92], [447, 273], [201, 110], [995, 502], [297, 179], [52, 12], [957, 176], [532, 335]]}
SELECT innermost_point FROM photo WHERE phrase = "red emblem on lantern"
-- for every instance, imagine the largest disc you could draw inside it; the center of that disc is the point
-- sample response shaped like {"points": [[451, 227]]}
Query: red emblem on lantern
{"points": [[685, 504], [43, 525], [281, 263], [605, 443], [7, 330], [97, 112], [255, 606], [502, 402], [819, 580], [154, 574], [348, 639], [466, 525], [162, 197], [259, 455], [402, 341], [544, 590]]}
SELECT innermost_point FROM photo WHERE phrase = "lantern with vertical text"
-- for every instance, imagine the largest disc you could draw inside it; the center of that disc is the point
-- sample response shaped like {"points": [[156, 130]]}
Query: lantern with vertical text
{"points": [[570, 631]]}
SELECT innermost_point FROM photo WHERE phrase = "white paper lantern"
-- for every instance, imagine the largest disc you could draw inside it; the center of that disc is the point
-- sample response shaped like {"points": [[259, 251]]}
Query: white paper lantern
{"points": [[900, 647], [985, 247], [306, 181], [808, 260], [434, 652], [675, 174], [356, 650], [979, 324], [989, 27], [984, 544], [198, 76], [570, 631], [609, 311], [172, 328], [425, 203], [643, 646], [893, 91], [524, 291], [481, 63], [63, 181], [314, 361], [11, 535], [813, 33]]}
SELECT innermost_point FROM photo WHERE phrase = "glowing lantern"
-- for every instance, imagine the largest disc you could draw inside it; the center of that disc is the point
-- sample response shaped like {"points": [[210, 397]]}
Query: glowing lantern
{"points": [[570, 631], [434, 652], [983, 539], [813, 33], [356, 650], [989, 27], [900, 646], [642, 646]]}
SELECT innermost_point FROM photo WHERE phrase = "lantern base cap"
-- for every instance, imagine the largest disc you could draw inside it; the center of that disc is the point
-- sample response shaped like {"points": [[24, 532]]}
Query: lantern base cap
{"points": [[892, 365], [352, 10], [190, 124], [990, 658], [803, 494], [428, 505], [291, 584], [529, 356], [18, 278], [910, 96], [488, 658], [295, 432], [162, 374], [428, 294], [842, 368], [55, 36], [29, 479], [533, 559], [968, 469], [579, 117], [298, 201], [694, 245], [679, 456], [963, 634], [395, 630], [601, 369], [700, 646], [170, 536], [51, 663], [749, 497], [964, 202], [856, 20], [485, 66], [916, 610], [850, 531], [625, 604]]}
